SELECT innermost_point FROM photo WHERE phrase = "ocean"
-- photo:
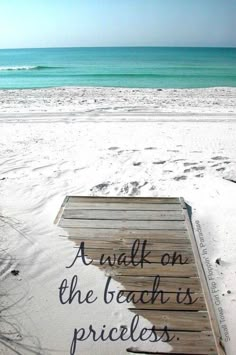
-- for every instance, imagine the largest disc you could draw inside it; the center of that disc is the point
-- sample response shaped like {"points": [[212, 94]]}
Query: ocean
{"points": [[137, 67]]}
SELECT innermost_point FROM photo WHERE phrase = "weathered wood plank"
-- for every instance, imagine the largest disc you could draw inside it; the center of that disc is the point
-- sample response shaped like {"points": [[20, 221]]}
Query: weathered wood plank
{"points": [[140, 200], [191, 320], [188, 270], [188, 343], [114, 224], [123, 206], [124, 215], [176, 236], [211, 312], [198, 301], [60, 212], [129, 242], [167, 284], [117, 244]]}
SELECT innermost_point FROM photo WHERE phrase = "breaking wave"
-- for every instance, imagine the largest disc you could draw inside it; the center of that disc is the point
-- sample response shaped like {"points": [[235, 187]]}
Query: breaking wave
{"points": [[26, 67]]}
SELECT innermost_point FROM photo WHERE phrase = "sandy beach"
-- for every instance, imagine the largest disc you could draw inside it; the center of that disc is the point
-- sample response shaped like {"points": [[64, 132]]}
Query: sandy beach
{"points": [[119, 100], [108, 142]]}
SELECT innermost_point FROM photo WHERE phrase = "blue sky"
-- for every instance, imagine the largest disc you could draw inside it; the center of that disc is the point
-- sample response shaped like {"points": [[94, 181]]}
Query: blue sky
{"points": [[65, 23]]}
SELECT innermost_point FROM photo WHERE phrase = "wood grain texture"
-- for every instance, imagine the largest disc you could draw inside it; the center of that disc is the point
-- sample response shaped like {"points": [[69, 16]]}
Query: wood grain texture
{"points": [[140, 200], [196, 321], [124, 215], [125, 224], [117, 244], [167, 284], [197, 343], [135, 206], [176, 236], [187, 270]]}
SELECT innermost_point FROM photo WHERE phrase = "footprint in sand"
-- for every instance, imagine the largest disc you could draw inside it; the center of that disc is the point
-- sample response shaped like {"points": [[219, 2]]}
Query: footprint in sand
{"points": [[101, 187], [113, 148], [159, 162], [219, 158], [196, 168], [189, 164], [182, 177], [152, 188], [132, 188], [137, 163]]}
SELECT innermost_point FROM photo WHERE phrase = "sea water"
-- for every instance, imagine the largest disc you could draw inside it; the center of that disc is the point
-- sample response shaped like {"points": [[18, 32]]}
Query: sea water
{"points": [[137, 67]]}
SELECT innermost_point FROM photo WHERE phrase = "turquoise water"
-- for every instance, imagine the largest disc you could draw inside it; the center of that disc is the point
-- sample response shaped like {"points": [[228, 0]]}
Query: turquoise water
{"points": [[146, 67]]}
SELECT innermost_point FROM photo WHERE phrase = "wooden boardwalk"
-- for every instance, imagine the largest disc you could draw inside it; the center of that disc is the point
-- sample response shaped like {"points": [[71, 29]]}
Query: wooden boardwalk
{"points": [[113, 225]]}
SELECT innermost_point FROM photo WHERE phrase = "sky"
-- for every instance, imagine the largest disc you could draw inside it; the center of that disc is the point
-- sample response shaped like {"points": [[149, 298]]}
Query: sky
{"points": [[95, 23]]}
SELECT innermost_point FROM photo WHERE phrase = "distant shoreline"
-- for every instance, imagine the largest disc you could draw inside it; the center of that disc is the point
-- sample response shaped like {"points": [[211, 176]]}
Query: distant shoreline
{"points": [[114, 87]]}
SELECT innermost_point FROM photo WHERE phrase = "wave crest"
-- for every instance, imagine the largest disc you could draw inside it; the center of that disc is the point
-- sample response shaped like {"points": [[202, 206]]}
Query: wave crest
{"points": [[26, 67]]}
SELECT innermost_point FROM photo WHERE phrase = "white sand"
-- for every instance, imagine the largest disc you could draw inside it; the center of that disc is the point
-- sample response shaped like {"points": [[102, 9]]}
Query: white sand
{"points": [[102, 100], [189, 153]]}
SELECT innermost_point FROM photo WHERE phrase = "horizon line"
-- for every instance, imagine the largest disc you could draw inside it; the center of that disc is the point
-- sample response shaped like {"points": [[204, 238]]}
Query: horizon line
{"points": [[125, 46]]}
